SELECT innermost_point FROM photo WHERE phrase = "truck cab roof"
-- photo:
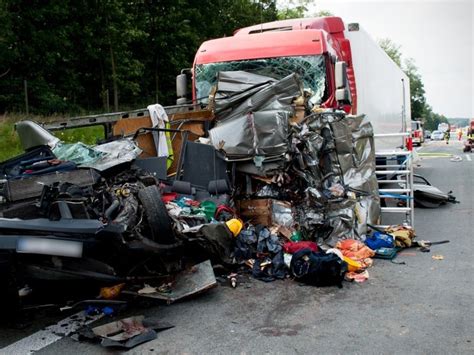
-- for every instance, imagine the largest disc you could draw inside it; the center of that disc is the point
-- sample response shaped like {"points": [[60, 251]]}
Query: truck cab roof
{"points": [[329, 24], [262, 45]]}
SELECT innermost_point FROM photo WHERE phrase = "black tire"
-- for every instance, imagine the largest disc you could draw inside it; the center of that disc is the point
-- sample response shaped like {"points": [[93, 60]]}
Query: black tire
{"points": [[159, 222]]}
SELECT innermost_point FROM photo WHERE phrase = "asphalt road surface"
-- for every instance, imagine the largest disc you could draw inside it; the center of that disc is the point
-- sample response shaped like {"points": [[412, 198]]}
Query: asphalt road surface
{"points": [[423, 306]]}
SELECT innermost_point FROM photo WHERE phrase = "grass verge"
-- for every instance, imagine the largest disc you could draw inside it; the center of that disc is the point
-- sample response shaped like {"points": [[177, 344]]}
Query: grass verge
{"points": [[10, 144]]}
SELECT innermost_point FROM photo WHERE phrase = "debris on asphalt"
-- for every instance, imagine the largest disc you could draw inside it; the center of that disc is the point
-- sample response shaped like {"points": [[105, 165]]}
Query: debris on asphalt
{"points": [[264, 184], [111, 292], [94, 302], [233, 279], [429, 196], [129, 332], [195, 280], [424, 245], [438, 257]]}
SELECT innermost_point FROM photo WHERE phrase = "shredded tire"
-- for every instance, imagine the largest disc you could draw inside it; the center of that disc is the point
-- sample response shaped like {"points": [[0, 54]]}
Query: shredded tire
{"points": [[159, 222]]}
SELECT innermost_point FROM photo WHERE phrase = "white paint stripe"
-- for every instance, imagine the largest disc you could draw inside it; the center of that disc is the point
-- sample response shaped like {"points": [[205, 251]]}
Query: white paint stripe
{"points": [[32, 343], [49, 335], [468, 157]]}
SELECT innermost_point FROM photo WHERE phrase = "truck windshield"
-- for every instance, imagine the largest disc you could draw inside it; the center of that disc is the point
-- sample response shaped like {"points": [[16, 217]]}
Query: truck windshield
{"points": [[312, 69]]}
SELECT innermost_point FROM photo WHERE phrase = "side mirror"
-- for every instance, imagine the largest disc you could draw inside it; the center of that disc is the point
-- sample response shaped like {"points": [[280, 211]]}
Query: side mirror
{"points": [[181, 85], [340, 75]]}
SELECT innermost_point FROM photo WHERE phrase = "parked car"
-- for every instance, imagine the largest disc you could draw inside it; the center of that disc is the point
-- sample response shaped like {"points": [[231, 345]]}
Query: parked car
{"points": [[437, 135], [427, 134]]}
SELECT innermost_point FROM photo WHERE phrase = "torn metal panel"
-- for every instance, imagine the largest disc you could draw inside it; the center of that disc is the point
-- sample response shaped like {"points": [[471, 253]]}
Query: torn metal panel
{"points": [[362, 176], [271, 96], [129, 332], [33, 135], [187, 283], [17, 190], [235, 136], [258, 133], [254, 122], [334, 155], [230, 82], [341, 219], [429, 196]]}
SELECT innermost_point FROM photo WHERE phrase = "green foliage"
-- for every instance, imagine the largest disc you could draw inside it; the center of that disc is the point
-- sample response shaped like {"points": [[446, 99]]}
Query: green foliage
{"points": [[293, 9], [392, 49], [79, 55], [86, 135], [323, 13], [289, 9], [417, 90], [432, 120], [10, 144]]}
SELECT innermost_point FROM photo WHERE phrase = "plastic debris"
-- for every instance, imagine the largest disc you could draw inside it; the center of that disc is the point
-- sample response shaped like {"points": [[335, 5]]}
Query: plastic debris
{"points": [[112, 292], [129, 332]]}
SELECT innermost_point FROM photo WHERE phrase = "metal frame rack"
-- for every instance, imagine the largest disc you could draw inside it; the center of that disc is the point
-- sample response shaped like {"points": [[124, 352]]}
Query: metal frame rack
{"points": [[400, 173]]}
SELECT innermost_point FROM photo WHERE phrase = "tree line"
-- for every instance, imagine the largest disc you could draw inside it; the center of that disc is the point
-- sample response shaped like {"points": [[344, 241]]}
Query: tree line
{"points": [[75, 56], [81, 56]]}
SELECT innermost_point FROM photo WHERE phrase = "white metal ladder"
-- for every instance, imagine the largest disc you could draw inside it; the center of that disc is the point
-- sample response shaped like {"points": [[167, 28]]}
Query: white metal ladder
{"points": [[405, 171]]}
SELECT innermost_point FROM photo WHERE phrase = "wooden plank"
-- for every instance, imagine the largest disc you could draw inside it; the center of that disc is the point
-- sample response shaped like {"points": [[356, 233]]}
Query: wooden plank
{"points": [[197, 115], [128, 126]]}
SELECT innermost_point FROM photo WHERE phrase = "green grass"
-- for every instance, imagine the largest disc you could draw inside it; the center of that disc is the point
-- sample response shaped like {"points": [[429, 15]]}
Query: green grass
{"points": [[10, 144]]}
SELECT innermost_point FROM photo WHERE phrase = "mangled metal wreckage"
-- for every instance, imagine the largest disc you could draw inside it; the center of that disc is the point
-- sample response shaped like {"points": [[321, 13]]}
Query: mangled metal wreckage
{"points": [[101, 213], [322, 163]]}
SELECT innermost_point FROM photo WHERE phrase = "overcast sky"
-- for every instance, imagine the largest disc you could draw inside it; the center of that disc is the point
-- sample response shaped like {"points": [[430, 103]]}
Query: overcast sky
{"points": [[438, 35]]}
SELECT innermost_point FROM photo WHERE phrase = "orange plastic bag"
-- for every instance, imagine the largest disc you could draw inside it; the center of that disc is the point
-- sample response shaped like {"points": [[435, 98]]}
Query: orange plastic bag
{"points": [[354, 249]]}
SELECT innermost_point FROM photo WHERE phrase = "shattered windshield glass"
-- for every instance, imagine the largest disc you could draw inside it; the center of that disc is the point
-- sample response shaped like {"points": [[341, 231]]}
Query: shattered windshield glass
{"points": [[311, 69]]}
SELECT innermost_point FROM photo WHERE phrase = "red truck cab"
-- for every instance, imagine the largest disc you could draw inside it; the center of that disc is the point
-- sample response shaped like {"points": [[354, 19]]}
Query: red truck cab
{"points": [[311, 47], [340, 66]]}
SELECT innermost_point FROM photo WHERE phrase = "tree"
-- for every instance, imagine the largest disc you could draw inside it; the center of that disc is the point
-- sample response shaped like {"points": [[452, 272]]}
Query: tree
{"points": [[8, 55], [293, 9], [73, 53], [392, 49], [289, 9], [432, 120], [417, 90], [323, 13]]}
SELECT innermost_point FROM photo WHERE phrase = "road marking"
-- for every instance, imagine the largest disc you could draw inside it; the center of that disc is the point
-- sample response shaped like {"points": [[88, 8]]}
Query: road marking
{"points": [[435, 155], [468, 157], [50, 335]]}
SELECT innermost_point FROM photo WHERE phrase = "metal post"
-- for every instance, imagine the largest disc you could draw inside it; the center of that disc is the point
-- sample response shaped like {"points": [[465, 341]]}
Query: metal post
{"points": [[25, 86], [404, 119], [107, 100]]}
